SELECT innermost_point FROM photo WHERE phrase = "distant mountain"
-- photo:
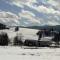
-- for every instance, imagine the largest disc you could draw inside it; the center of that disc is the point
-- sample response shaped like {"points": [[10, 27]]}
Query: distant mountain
{"points": [[57, 27]]}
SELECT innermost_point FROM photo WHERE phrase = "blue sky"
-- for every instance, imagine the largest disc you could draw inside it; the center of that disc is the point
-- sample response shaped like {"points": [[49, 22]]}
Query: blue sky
{"points": [[30, 12]]}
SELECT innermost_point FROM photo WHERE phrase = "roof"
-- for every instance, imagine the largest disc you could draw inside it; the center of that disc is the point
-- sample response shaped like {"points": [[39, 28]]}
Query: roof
{"points": [[49, 38]]}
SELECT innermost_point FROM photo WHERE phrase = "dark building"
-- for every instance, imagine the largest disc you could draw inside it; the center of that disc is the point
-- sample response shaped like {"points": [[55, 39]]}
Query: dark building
{"points": [[41, 43]]}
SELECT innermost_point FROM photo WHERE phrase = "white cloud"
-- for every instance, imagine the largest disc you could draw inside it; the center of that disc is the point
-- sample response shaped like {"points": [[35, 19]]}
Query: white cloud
{"points": [[4, 14], [55, 3], [26, 23], [52, 2], [24, 1], [8, 18], [44, 9], [28, 12], [40, 8], [52, 14], [52, 23], [29, 16], [20, 3]]}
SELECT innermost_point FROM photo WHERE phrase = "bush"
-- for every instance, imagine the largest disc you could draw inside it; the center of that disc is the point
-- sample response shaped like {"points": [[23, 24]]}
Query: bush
{"points": [[18, 41], [56, 38], [4, 39], [17, 28]]}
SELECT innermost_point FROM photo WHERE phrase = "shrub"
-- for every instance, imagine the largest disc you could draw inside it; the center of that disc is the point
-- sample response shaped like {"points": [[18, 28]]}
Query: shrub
{"points": [[56, 38], [18, 41], [17, 28], [4, 39]]}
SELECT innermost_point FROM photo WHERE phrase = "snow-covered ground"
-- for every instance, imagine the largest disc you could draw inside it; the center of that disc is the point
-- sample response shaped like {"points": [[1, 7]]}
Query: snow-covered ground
{"points": [[18, 53], [24, 31]]}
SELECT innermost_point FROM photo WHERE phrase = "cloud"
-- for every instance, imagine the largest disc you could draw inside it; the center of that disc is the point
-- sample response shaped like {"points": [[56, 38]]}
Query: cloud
{"points": [[20, 3], [24, 1], [8, 18], [4, 14], [52, 23], [45, 9], [28, 12], [55, 3], [31, 12], [29, 16]]}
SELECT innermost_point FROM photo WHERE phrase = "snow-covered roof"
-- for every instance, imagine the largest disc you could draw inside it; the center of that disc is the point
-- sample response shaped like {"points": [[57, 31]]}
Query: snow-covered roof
{"points": [[49, 38]]}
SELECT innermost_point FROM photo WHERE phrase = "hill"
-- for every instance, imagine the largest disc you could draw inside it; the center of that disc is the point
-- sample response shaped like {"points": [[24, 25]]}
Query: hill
{"points": [[57, 27]]}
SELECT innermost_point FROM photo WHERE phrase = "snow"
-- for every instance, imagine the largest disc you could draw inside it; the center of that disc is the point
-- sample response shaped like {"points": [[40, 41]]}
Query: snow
{"points": [[25, 32], [46, 38], [18, 53]]}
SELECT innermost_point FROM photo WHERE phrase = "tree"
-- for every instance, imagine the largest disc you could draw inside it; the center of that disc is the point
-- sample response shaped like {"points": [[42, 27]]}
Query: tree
{"points": [[18, 41], [56, 38], [39, 33], [17, 28], [4, 39]]}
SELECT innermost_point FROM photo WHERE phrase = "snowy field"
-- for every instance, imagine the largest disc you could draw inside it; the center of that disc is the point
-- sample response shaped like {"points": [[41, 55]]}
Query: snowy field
{"points": [[18, 53], [24, 31]]}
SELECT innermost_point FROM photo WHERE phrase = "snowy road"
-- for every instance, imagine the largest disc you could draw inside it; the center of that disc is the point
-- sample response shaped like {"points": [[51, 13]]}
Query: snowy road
{"points": [[18, 53]]}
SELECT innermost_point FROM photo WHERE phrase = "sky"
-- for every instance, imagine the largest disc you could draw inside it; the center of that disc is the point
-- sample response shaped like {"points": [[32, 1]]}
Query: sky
{"points": [[30, 12]]}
